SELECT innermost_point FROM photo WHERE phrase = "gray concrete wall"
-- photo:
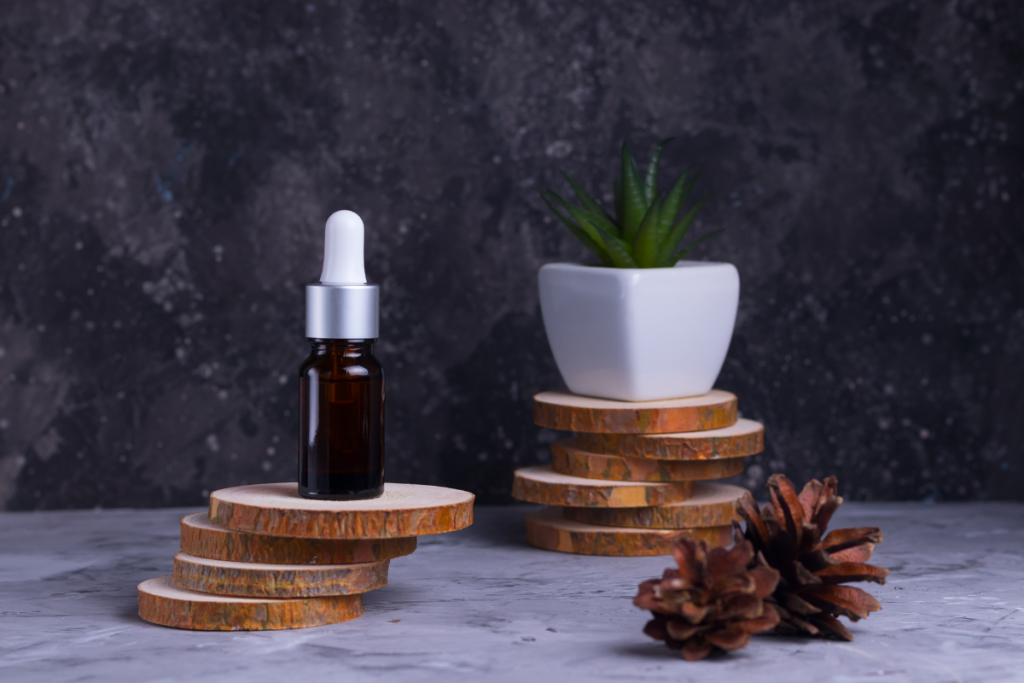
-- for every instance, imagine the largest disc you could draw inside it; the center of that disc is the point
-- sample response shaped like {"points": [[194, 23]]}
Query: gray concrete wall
{"points": [[166, 169]]}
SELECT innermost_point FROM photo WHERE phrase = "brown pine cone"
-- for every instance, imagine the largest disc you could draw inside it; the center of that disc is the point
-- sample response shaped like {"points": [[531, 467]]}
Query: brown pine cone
{"points": [[789, 536], [712, 602]]}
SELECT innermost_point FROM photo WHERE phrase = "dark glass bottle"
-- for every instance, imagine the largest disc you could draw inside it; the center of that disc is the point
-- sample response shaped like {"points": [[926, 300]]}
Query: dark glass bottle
{"points": [[341, 421]]}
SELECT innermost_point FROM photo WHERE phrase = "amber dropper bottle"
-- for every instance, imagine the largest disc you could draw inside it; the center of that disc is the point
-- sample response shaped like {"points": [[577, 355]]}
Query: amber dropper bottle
{"points": [[341, 384]]}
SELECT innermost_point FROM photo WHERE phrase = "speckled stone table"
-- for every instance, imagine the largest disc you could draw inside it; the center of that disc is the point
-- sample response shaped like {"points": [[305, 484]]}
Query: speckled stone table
{"points": [[482, 605]]}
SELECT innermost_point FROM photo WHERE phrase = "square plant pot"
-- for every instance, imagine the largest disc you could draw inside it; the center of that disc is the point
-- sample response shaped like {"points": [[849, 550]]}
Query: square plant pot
{"points": [[639, 334]]}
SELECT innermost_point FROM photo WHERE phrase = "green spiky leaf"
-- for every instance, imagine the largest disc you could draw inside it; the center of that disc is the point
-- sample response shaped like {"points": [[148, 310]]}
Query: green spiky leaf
{"points": [[645, 247], [596, 247], [598, 220], [672, 259], [586, 234], [617, 249], [674, 201], [651, 179], [668, 247], [617, 190], [634, 206], [587, 201], [588, 219]]}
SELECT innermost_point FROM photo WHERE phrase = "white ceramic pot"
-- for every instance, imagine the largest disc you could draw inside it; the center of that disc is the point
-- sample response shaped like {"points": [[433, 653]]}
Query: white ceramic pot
{"points": [[639, 334]]}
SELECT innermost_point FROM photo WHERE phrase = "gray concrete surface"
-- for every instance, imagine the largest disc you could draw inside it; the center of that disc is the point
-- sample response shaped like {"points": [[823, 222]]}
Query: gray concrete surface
{"points": [[482, 605]]}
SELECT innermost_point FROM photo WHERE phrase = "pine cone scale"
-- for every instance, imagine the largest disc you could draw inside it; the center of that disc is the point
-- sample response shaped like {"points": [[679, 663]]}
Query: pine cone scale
{"points": [[680, 631], [852, 571], [836, 603], [740, 607], [765, 581], [757, 532], [860, 553], [796, 603], [789, 513], [656, 628], [730, 563], [694, 650], [804, 576], [833, 627], [729, 639], [841, 539], [693, 613], [744, 583], [765, 622]]}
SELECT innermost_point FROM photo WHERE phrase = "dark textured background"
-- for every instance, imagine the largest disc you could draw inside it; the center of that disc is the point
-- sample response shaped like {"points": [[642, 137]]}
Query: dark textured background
{"points": [[166, 169]]}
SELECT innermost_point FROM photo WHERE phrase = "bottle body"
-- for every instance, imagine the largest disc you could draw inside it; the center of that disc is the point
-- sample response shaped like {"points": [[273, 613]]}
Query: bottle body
{"points": [[341, 421]]}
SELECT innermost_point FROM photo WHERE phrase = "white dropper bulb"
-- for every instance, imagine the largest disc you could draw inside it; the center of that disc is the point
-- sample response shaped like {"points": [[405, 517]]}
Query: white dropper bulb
{"points": [[343, 250]]}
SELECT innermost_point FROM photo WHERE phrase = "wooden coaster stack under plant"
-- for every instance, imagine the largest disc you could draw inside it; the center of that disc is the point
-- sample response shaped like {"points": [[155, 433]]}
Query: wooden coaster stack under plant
{"points": [[263, 558], [637, 475]]}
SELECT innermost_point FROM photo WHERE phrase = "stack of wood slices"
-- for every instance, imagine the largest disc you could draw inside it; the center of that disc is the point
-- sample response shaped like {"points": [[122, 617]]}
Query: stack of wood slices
{"points": [[635, 475], [264, 558]]}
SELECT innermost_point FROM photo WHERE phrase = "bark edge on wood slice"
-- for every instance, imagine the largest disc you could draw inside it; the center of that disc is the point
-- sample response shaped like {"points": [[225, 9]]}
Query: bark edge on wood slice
{"points": [[569, 412], [712, 504], [567, 459], [542, 485], [248, 580], [201, 538], [163, 603], [549, 530], [403, 510], [744, 438]]}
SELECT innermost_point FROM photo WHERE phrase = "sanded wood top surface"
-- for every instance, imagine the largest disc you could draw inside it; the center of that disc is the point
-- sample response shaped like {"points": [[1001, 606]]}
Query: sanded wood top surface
{"points": [[712, 504], [163, 603], [403, 510], [565, 411], [202, 538], [541, 484], [261, 580], [549, 530]]}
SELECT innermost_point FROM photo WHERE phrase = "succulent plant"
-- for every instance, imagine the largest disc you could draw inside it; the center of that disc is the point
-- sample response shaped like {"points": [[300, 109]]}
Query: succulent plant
{"points": [[648, 226]]}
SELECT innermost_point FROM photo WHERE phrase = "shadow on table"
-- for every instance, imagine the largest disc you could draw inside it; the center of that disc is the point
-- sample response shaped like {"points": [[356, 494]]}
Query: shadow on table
{"points": [[660, 652], [503, 525]]}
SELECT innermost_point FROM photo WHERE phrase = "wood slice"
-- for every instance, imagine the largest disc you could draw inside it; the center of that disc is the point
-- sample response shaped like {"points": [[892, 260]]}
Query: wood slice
{"points": [[746, 437], [712, 505], [161, 602], [566, 459], [542, 485], [549, 530], [561, 410], [249, 580], [403, 510], [201, 538]]}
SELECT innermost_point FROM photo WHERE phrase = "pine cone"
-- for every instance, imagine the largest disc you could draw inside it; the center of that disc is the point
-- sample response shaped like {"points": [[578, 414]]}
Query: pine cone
{"points": [[788, 536], [712, 602]]}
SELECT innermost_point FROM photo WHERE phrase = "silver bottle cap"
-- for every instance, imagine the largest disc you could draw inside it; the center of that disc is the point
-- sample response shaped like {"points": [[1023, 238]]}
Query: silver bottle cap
{"points": [[342, 311]]}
